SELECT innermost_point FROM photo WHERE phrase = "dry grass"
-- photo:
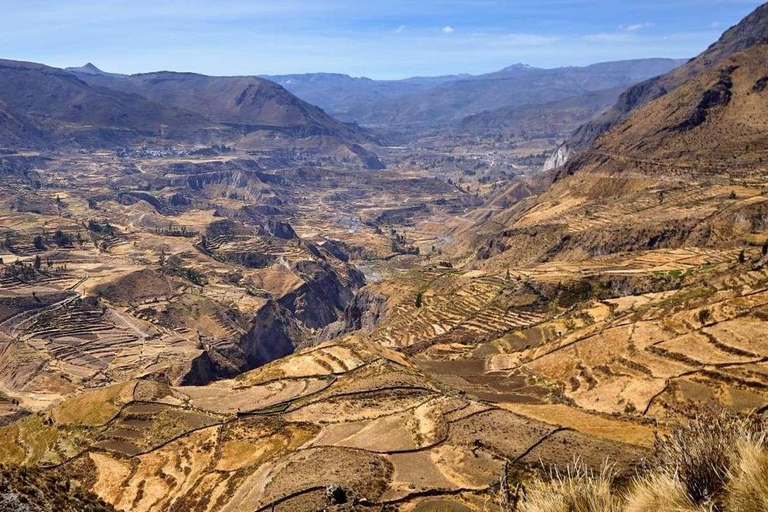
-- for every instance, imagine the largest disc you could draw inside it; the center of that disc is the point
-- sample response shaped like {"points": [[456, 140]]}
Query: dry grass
{"points": [[659, 492], [577, 490], [747, 487], [712, 461]]}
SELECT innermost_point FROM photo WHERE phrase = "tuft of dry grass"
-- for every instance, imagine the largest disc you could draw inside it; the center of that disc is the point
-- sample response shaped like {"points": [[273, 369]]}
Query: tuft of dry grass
{"points": [[747, 487], [577, 490], [712, 461], [659, 491]]}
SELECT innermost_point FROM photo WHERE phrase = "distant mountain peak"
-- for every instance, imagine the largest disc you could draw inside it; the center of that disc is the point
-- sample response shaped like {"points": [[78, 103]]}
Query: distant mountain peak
{"points": [[519, 65], [514, 68], [88, 69], [316, 78]]}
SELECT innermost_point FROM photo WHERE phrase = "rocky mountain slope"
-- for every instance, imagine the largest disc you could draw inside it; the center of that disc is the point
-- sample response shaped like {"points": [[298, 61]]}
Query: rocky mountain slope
{"points": [[17, 130], [629, 191], [246, 103], [715, 121], [750, 32], [66, 109]]}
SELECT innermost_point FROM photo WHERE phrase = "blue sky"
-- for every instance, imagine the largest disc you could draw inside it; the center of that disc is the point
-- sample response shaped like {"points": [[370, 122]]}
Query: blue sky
{"points": [[379, 39]]}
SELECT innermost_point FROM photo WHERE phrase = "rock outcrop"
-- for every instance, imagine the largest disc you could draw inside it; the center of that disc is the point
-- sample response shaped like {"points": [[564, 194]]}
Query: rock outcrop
{"points": [[558, 158], [323, 296], [273, 333], [363, 313]]}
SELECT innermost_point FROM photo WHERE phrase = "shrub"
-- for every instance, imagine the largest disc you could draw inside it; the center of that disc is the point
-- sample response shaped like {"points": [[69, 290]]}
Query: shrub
{"points": [[698, 451], [704, 315], [61, 239]]}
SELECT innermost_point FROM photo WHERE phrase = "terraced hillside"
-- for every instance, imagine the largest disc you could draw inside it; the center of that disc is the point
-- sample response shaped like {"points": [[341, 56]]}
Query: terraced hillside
{"points": [[278, 437], [554, 360], [185, 268]]}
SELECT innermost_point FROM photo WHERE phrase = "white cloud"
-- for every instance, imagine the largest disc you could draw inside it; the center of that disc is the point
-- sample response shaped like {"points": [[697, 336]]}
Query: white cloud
{"points": [[448, 30], [606, 38], [400, 29], [636, 27]]}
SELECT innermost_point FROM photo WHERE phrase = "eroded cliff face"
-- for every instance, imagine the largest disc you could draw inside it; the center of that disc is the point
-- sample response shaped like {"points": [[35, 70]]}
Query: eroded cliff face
{"points": [[325, 302], [324, 294], [363, 313], [273, 333]]}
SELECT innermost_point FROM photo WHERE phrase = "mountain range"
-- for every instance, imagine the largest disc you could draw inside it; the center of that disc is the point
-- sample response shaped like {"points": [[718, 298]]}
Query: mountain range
{"points": [[440, 100], [337, 93], [42, 106]]}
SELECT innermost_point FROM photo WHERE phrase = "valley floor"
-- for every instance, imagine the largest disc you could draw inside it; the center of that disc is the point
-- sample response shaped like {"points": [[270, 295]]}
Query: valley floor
{"points": [[195, 334]]}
